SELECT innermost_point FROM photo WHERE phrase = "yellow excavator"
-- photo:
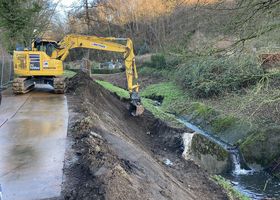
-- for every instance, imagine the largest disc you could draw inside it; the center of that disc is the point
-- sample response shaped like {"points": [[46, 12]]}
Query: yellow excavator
{"points": [[43, 64]]}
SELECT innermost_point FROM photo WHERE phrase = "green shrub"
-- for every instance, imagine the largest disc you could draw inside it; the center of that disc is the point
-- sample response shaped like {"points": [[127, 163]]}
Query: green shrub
{"points": [[173, 61], [158, 61], [145, 71], [222, 123], [143, 49], [95, 65], [202, 111], [211, 76], [262, 146]]}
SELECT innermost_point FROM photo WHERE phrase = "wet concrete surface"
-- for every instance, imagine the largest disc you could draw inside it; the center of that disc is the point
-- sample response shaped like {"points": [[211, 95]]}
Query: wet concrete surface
{"points": [[33, 129]]}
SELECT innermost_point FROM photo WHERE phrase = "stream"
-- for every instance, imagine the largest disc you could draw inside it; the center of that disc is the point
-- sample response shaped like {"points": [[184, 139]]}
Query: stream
{"points": [[252, 183]]}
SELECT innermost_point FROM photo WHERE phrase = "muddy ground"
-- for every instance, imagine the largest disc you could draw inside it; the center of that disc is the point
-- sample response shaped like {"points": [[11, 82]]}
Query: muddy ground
{"points": [[113, 155]]}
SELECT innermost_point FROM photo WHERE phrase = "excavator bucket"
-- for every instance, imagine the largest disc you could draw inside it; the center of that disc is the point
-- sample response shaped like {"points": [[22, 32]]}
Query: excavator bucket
{"points": [[136, 110], [135, 107]]}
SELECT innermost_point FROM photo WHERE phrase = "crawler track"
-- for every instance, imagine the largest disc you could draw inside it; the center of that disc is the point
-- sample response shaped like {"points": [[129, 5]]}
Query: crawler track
{"points": [[22, 85], [59, 85]]}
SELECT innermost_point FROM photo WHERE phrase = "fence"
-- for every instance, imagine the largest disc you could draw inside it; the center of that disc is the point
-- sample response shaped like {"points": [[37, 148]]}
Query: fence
{"points": [[6, 70]]}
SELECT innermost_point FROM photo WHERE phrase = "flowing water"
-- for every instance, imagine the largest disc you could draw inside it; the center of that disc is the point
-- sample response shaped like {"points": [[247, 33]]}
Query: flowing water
{"points": [[254, 184]]}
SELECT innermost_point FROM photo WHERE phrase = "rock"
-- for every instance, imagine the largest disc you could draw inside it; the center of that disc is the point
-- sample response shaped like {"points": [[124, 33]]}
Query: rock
{"points": [[168, 162], [96, 135], [97, 149], [205, 153]]}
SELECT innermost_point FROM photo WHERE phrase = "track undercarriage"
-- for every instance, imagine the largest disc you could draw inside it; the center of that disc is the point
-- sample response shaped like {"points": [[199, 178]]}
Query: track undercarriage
{"points": [[23, 85], [59, 85]]}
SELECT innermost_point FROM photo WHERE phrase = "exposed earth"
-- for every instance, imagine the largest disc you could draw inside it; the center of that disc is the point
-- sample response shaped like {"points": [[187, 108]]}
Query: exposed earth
{"points": [[116, 156]]}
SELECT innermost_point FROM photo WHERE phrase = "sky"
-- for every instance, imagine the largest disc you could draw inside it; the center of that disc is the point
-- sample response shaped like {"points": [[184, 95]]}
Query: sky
{"points": [[64, 6], [67, 2]]}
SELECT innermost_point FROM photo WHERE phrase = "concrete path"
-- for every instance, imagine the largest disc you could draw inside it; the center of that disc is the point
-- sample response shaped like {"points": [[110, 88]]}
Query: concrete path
{"points": [[33, 129]]}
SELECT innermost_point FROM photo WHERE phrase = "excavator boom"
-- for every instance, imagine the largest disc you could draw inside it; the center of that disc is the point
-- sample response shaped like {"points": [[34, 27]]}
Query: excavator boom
{"points": [[44, 63]]}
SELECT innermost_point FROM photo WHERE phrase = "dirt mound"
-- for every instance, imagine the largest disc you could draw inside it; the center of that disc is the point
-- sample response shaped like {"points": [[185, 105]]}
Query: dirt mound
{"points": [[117, 156]]}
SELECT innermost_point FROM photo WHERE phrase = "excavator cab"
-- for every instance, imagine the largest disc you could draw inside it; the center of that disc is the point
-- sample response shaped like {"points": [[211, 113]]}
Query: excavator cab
{"points": [[47, 46]]}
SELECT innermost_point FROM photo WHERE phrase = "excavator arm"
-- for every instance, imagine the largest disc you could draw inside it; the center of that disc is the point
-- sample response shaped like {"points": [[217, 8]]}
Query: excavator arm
{"points": [[107, 44]]}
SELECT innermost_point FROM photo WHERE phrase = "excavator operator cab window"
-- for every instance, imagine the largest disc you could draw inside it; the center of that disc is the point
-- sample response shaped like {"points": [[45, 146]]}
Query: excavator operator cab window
{"points": [[46, 46]]}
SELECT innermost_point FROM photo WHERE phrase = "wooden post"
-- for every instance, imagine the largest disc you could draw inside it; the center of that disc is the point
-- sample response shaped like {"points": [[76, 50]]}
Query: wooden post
{"points": [[85, 66]]}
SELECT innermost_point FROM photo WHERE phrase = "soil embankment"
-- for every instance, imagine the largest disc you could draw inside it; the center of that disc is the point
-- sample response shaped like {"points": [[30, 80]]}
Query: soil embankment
{"points": [[116, 156]]}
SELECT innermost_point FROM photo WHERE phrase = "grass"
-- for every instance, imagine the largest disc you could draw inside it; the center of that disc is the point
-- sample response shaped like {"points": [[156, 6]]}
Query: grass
{"points": [[232, 193], [173, 96], [69, 73], [147, 103], [202, 110], [122, 93], [146, 70], [223, 122], [151, 71], [159, 113]]}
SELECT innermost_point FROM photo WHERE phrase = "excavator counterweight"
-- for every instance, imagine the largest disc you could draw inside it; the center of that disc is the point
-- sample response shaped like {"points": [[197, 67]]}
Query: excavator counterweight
{"points": [[44, 64]]}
